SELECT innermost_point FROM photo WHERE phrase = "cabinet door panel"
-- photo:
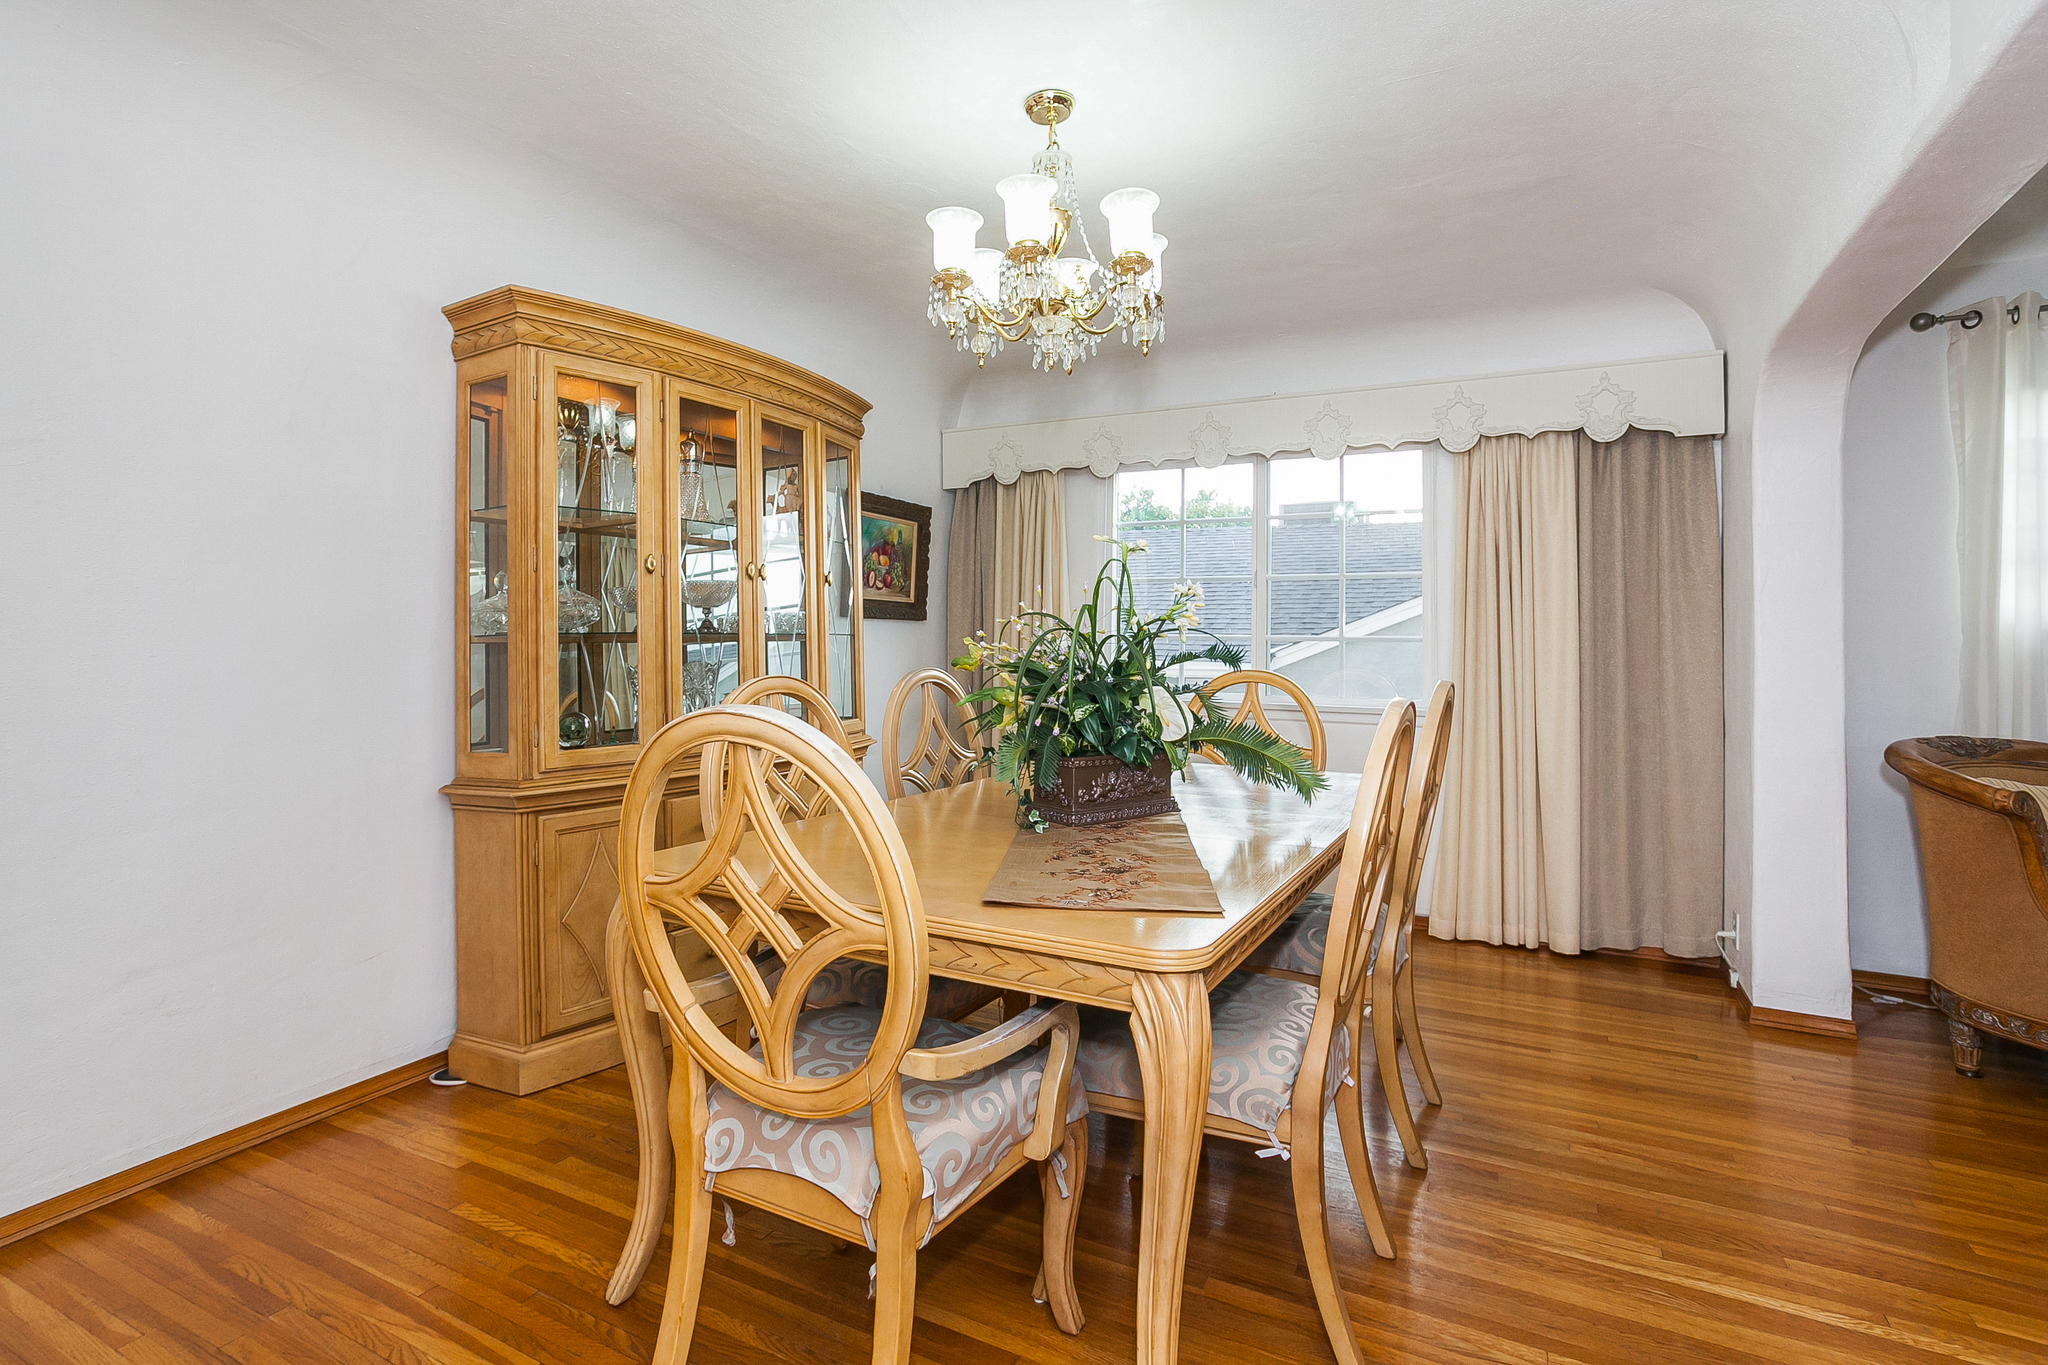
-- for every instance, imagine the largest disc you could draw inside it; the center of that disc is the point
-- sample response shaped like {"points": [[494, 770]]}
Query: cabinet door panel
{"points": [[840, 579], [782, 568], [703, 475], [579, 885], [603, 421]]}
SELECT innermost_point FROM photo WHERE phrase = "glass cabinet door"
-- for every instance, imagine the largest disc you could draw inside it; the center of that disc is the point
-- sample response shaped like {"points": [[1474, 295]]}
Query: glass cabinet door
{"points": [[706, 469], [488, 663], [782, 572], [596, 580], [841, 608]]}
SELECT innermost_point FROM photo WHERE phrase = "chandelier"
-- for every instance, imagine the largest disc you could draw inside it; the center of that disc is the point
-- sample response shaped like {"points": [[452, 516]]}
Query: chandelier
{"points": [[1062, 305]]}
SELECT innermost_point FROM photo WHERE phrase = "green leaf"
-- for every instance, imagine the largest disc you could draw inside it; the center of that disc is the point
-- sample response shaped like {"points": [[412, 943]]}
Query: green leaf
{"points": [[1259, 756]]}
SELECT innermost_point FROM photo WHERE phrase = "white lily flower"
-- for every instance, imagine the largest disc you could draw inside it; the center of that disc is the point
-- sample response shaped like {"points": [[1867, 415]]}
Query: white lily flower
{"points": [[1173, 720]]}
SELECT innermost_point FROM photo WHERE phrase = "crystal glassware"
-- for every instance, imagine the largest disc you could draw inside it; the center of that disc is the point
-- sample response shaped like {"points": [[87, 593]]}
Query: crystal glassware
{"points": [[487, 615]]}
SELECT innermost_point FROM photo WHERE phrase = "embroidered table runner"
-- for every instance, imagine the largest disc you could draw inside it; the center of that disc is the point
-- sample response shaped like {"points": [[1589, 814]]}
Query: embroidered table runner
{"points": [[1147, 864]]}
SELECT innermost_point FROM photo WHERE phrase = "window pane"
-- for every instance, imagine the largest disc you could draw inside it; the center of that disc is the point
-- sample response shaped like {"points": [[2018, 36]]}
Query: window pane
{"points": [[1302, 606], [1384, 481], [1203, 669], [1227, 608], [1218, 548], [1302, 483], [1377, 669], [1148, 495], [1298, 545], [1224, 492], [1366, 598], [1382, 546], [1160, 557]]}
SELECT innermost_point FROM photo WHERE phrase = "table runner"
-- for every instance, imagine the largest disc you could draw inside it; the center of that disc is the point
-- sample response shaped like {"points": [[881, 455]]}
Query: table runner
{"points": [[1148, 864]]}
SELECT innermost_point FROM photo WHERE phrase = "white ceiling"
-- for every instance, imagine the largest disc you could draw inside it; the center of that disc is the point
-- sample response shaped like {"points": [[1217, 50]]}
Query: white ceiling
{"points": [[1323, 166]]}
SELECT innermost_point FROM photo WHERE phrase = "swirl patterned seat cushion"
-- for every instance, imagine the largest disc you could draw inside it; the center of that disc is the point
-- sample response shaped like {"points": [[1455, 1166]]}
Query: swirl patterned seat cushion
{"points": [[1258, 1027], [849, 981], [961, 1128], [1297, 945]]}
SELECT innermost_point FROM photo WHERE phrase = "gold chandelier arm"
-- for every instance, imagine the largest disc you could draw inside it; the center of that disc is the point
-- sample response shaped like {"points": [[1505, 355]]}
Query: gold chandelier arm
{"points": [[996, 320], [1082, 320]]}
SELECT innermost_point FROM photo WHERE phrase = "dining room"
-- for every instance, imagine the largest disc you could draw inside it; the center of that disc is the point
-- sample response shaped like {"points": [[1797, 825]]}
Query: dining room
{"points": [[1410, 816]]}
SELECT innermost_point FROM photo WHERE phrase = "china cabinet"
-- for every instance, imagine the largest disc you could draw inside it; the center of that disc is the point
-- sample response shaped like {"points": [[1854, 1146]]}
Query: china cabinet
{"points": [[645, 518]]}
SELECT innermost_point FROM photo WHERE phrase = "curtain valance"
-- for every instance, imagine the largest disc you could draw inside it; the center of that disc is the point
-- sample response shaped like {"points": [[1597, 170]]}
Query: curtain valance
{"points": [[1684, 395]]}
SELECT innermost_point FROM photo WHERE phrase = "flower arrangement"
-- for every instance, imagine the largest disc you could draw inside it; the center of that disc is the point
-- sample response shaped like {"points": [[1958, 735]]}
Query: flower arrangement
{"points": [[1100, 684]]}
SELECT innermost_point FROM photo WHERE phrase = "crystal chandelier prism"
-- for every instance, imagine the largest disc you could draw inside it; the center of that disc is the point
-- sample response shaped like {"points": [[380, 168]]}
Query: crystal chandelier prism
{"points": [[1062, 305]]}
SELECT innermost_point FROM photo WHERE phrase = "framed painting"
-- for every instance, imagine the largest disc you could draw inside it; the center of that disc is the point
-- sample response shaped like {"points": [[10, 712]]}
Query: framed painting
{"points": [[895, 558]]}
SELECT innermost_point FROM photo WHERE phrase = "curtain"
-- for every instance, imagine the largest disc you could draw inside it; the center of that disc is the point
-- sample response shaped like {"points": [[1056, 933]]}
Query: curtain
{"points": [[1006, 553], [1510, 866], [1997, 386], [1649, 693]]}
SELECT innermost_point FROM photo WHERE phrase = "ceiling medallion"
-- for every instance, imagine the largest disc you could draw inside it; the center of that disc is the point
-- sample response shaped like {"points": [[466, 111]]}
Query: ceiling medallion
{"points": [[1062, 305]]}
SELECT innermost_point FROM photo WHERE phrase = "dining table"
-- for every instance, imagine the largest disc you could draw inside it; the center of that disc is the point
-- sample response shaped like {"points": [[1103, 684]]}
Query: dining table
{"points": [[1264, 849]]}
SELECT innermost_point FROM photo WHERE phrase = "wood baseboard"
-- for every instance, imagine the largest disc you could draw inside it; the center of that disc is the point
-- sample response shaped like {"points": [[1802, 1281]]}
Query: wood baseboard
{"points": [[1793, 1022], [36, 1217], [522, 1070], [1911, 987]]}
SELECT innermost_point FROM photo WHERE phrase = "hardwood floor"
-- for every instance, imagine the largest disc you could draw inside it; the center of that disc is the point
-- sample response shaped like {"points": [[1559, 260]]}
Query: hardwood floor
{"points": [[1622, 1172]]}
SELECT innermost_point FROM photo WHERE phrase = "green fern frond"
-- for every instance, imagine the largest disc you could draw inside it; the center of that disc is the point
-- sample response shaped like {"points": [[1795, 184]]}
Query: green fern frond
{"points": [[1259, 756]]}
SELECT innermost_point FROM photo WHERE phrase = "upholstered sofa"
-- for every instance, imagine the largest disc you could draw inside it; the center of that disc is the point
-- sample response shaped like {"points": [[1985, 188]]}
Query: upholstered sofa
{"points": [[1980, 805]]}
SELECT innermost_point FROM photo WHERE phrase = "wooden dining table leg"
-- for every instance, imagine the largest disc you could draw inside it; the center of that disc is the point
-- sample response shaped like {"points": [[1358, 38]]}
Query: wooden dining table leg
{"points": [[647, 1076], [1170, 1024]]}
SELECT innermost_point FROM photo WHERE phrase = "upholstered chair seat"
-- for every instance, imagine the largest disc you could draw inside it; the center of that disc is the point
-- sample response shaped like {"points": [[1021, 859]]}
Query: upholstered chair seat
{"points": [[1297, 945], [962, 1128], [850, 982], [1259, 1031]]}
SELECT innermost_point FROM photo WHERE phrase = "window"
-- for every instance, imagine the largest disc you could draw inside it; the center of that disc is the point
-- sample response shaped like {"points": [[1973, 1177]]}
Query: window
{"points": [[1313, 567]]}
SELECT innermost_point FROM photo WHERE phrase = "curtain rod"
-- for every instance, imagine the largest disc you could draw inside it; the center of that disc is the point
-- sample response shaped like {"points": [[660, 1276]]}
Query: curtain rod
{"points": [[1974, 318]]}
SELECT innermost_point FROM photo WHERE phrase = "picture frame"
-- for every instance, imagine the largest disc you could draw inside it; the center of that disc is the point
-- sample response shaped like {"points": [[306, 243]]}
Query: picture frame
{"points": [[895, 543]]}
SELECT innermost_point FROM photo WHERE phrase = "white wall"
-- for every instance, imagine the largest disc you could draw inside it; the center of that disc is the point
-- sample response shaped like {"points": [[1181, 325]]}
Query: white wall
{"points": [[1903, 624], [225, 879]]}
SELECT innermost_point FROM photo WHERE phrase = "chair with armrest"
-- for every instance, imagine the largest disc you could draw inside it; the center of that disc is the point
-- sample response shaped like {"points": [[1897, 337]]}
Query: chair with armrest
{"points": [[877, 1125], [1980, 806]]}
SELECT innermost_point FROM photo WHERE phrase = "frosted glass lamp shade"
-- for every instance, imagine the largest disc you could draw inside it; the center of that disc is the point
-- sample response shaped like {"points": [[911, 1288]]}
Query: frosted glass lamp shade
{"points": [[953, 232], [1130, 220], [1074, 273], [1027, 208], [986, 270], [1157, 252]]}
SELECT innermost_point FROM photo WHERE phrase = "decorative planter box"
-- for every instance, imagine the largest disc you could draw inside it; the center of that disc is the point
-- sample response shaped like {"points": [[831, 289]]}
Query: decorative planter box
{"points": [[1098, 790]]}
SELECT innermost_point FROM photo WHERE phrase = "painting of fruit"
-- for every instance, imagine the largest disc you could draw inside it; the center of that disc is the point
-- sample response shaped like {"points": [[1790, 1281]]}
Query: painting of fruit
{"points": [[894, 557]]}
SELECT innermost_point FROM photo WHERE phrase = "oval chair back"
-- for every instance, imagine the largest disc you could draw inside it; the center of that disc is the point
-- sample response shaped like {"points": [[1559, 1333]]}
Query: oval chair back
{"points": [[744, 889], [939, 758], [1252, 709], [797, 797]]}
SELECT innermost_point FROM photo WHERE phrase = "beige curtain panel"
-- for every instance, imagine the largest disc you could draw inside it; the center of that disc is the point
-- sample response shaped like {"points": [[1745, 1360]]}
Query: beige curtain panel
{"points": [[1650, 694], [1583, 802], [1508, 869], [1007, 553]]}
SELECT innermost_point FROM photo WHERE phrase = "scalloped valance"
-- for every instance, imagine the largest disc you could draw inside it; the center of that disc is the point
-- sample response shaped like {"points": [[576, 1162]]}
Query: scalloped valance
{"points": [[1681, 394]]}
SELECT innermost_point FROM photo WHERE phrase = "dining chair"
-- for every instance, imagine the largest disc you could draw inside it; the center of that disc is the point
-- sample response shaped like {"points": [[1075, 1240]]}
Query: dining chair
{"points": [[1252, 708], [1296, 948], [939, 758], [845, 982], [1280, 1048], [877, 1125], [796, 798]]}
